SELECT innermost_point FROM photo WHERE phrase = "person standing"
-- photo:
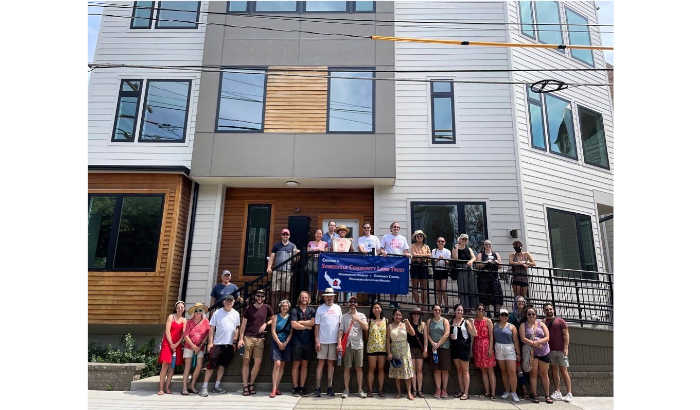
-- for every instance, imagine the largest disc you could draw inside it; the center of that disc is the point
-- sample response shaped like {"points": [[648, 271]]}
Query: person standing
{"points": [[327, 343], [337, 247], [419, 350], [439, 338], [559, 347], [221, 290], [256, 320], [441, 264], [483, 351], [171, 345], [507, 353], [461, 333], [419, 269], [394, 244], [282, 277], [196, 331], [222, 335], [490, 292], [520, 262], [317, 245], [280, 354], [466, 281], [330, 235], [516, 318], [355, 323], [303, 321], [368, 243], [399, 350], [376, 347], [535, 334]]}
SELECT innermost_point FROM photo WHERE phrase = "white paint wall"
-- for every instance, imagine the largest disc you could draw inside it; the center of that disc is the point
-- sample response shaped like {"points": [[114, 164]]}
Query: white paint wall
{"points": [[118, 44]]}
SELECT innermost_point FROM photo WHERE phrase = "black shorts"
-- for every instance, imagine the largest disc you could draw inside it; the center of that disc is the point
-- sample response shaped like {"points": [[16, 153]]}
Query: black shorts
{"points": [[377, 354], [221, 355], [302, 351], [419, 271], [460, 350], [544, 358], [441, 273]]}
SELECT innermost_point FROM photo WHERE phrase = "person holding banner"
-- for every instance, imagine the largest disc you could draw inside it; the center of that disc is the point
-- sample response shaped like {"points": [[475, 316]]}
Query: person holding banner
{"points": [[352, 325], [419, 268], [343, 244], [394, 244], [399, 353], [317, 245], [439, 338], [368, 243], [376, 347]]}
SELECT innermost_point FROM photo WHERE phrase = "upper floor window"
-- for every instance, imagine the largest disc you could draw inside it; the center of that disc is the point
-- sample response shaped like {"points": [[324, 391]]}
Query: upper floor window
{"points": [[163, 115], [350, 102], [571, 241], [595, 150], [242, 101], [301, 6], [442, 109], [579, 35], [551, 120], [170, 14], [143, 14]]}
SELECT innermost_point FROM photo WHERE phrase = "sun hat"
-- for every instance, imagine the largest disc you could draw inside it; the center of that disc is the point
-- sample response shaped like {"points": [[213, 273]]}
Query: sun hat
{"points": [[464, 235], [418, 232], [329, 292], [341, 228], [417, 310], [197, 306]]}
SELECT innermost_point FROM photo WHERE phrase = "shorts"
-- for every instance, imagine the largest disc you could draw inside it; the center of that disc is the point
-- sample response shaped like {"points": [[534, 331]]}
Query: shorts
{"points": [[328, 352], [281, 281], [188, 353], [353, 358], [557, 357], [281, 355], [460, 350], [545, 358], [221, 355], [376, 354], [416, 353], [302, 351], [419, 271], [505, 351], [444, 359], [254, 346], [440, 273]]}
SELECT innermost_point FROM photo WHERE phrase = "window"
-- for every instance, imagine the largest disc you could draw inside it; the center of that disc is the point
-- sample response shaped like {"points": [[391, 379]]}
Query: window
{"points": [[442, 108], [547, 15], [124, 231], [559, 130], [267, 6], [326, 6], [525, 8], [350, 102], [364, 6], [595, 150], [579, 35], [241, 101], [301, 7], [257, 230], [127, 110], [237, 6], [165, 111], [143, 14], [449, 220], [178, 14], [571, 239]]}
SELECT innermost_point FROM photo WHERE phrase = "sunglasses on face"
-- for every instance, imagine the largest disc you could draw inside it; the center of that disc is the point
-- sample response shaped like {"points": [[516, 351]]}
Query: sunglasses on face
{"points": [[503, 314], [532, 314], [260, 296], [487, 244], [441, 241], [199, 311], [285, 234], [396, 227], [480, 309], [352, 302]]}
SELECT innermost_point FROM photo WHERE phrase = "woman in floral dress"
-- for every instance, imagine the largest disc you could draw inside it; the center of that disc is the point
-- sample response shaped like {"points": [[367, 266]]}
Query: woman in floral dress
{"points": [[484, 357], [399, 348], [376, 347]]}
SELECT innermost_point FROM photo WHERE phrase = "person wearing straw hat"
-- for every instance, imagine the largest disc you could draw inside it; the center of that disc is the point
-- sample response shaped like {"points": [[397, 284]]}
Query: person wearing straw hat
{"points": [[327, 321], [419, 268], [223, 332], [339, 246], [196, 331]]}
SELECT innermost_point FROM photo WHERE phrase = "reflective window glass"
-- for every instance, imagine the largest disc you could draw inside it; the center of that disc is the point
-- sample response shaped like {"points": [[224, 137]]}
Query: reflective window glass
{"points": [[139, 233], [241, 102], [449, 220], [165, 111], [143, 13], [536, 126], [351, 102], [364, 6], [275, 6], [579, 35], [475, 225], [100, 218], [238, 6], [257, 229], [127, 111], [185, 12], [442, 120], [525, 8], [326, 6], [560, 126], [547, 12], [442, 87], [571, 242], [595, 151]]}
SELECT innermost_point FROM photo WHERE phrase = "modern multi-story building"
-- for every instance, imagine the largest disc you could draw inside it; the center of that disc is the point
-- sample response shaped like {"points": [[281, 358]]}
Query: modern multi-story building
{"points": [[305, 119]]}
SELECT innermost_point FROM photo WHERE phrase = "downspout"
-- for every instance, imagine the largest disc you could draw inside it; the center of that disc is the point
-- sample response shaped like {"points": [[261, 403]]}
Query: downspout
{"points": [[190, 237]]}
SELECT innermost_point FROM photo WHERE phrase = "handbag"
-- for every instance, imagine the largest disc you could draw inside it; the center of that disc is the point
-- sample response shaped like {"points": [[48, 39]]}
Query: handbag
{"points": [[528, 356]]}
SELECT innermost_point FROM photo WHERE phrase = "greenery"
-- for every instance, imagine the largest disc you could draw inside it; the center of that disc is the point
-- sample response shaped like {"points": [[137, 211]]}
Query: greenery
{"points": [[127, 352]]}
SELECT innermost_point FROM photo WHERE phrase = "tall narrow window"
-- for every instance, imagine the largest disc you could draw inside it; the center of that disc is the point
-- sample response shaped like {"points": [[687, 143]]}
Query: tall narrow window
{"points": [[571, 240], [449, 220], [350, 102], [143, 14], [442, 103], [165, 111], [536, 120], [241, 101], [257, 227], [127, 110], [560, 126], [525, 8], [178, 14], [548, 20], [579, 35], [595, 150]]}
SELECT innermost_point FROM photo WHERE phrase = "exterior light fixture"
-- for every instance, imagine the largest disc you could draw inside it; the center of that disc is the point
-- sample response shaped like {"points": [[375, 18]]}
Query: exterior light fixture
{"points": [[292, 183]]}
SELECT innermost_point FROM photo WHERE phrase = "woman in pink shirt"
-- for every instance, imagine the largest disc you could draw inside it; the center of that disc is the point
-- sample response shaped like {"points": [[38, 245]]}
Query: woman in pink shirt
{"points": [[196, 332], [312, 262]]}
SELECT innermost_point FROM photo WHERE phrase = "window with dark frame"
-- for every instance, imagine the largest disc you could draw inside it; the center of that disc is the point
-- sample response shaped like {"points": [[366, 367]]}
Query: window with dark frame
{"points": [[257, 239], [124, 231], [571, 242], [178, 14], [579, 35], [127, 111], [142, 15], [595, 149], [442, 111], [449, 220], [299, 7], [350, 102], [551, 124], [242, 101]]}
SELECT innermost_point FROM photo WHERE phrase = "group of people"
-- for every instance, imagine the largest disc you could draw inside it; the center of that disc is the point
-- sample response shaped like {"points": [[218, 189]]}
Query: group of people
{"points": [[518, 342]]}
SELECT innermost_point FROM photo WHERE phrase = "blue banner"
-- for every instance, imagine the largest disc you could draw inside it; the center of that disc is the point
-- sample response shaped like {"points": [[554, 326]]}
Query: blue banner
{"points": [[359, 273]]}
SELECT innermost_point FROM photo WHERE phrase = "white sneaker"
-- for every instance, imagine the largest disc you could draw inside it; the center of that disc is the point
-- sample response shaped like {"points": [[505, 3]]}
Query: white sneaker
{"points": [[556, 395], [568, 398], [515, 397], [505, 395]]}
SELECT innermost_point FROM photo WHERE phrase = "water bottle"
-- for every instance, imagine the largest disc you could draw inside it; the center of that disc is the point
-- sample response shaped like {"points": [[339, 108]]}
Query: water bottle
{"points": [[340, 358], [240, 351], [520, 370], [194, 359], [566, 361], [454, 332], [174, 358], [435, 356]]}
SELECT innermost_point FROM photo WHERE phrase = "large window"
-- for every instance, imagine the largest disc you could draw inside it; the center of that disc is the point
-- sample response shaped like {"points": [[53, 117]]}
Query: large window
{"points": [[595, 150], [124, 231], [579, 35], [301, 7], [170, 14], [442, 109], [449, 220], [350, 101], [559, 129], [143, 14], [242, 101], [571, 240], [547, 16], [163, 114], [257, 239]]}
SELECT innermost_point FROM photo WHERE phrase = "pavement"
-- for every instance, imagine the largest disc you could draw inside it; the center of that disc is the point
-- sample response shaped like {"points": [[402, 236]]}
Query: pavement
{"points": [[150, 400]]}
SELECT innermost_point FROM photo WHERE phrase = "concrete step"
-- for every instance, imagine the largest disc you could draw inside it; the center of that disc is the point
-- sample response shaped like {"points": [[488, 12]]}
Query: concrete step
{"points": [[232, 384]]}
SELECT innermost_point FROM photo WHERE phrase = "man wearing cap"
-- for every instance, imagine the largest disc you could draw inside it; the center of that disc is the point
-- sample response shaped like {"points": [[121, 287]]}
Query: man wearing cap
{"points": [[221, 290], [327, 339], [559, 346], [282, 277], [223, 331], [256, 319], [330, 235], [353, 322], [394, 244], [302, 342]]}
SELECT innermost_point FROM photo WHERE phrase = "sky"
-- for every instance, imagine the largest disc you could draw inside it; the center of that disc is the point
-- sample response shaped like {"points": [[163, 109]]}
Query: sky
{"points": [[93, 30]]}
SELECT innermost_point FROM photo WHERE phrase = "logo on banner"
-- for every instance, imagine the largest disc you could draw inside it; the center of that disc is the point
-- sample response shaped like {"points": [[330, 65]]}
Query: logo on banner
{"points": [[332, 282]]}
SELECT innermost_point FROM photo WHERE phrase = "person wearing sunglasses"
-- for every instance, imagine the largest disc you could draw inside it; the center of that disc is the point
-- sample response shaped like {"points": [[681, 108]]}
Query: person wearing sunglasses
{"points": [[394, 244], [516, 318], [441, 263], [483, 352], [507, 353], [419, 350], [171, 345], [535, 334], [196, 331], [466, 280], [282, 277], [520, 261], [490, 292], [223, 332], [353, 324], [461, 333], [280, 354], [257, 318], [439, 339], [419, 268], [368, 243]]}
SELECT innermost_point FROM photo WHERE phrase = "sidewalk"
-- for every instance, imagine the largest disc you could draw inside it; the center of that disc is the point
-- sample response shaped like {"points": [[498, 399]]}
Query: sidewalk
{"points": [[150, 400]]}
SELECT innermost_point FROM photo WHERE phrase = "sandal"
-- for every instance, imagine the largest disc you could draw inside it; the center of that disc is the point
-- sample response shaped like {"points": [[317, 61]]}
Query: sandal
{"points": [[458, 394], [465, 396], [381, 394], [535, 399], [160, 392], [193, 391], [252, 388], [369, 394], [548, 400], [482, 396], [272, 395], [420, 394], [185, 393], [246, 390], [493, 397]]}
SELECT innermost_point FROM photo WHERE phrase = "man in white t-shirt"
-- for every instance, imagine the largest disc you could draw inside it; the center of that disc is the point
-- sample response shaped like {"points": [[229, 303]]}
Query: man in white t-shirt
{"points": [[368, 244], [327, 321], [223, 331], [354, 322], [394, 244]]}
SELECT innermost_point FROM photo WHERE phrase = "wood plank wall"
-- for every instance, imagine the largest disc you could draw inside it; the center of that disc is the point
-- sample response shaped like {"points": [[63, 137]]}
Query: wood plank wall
{"points": [[316, 203], [143, 297], [296, 104]]}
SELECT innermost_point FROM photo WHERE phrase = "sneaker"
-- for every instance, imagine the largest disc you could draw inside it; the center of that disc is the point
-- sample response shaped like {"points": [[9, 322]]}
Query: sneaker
{"points": [[296, 392], [305, 393], [317, 392], [505, 395], [361, 394], [345, 394], [568, 398], [444, 394], [556, 395], [445, 310], [515, 397], [218, 390], [330, 392], [203, 392]]}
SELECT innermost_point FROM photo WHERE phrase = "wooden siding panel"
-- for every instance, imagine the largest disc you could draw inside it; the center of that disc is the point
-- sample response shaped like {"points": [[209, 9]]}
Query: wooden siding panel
{"points": [[296, 104]]}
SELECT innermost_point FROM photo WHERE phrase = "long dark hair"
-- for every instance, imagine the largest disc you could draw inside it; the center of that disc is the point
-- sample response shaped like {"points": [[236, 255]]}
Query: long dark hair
{"points": [[371, 311]]}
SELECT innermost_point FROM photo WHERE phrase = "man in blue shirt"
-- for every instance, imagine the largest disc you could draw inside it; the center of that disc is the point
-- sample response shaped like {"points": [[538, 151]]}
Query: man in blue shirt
{"points": [[220, 291], [303, 321], [328, 236]]}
